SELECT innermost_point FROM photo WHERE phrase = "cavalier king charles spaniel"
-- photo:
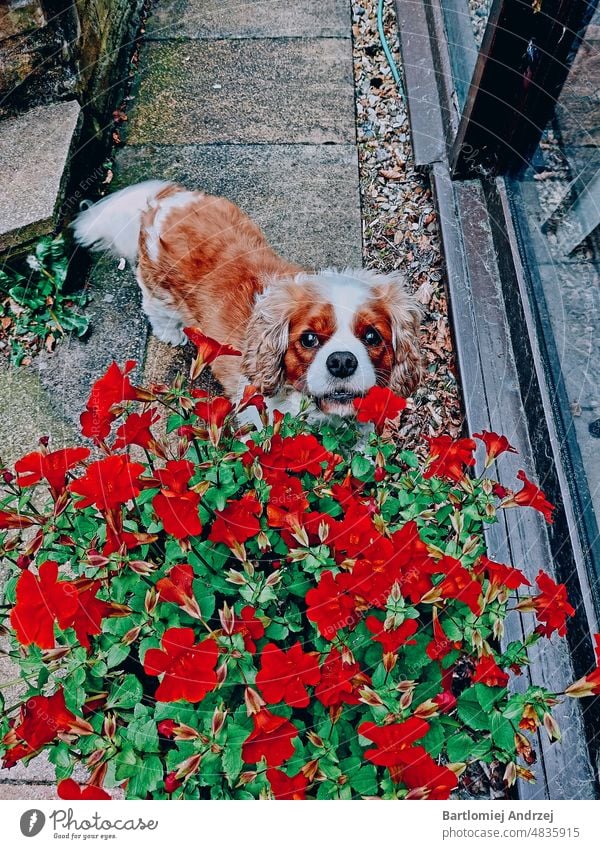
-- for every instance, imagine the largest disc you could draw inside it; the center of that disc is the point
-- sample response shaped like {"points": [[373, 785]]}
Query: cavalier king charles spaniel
{"points": [[200, 261]]}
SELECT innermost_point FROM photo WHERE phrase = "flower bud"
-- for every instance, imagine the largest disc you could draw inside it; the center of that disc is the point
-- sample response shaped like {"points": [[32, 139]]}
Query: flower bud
{"points": [[131, 635], [109, 726], [227, 617], [142, 567], [218, 719], [510, 773], [369, 697], [246, 778], [151, 601], [315, 739], [254, 702], [172, 783], [236, 578], [165, 727], [551, 726], [188, 767], [221, 674], [427, 709]]}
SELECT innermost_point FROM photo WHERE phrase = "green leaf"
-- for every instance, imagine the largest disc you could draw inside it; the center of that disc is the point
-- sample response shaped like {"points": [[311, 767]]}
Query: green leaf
{"points": [[143, 735], [503, 733], [117, 654], [462, 747], [126, 694], [146, 778], [361, 467], [488, 696], [471, 712]]}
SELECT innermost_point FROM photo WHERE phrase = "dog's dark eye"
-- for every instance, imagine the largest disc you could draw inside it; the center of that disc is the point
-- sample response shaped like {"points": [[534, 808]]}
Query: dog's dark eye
{"points": [[309, 340], [371, 337]]}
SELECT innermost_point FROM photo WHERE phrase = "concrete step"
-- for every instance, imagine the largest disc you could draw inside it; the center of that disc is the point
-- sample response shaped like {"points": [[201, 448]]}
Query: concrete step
{"points": [[250, 19], [264, 91], [294, 192], [35, 150]]}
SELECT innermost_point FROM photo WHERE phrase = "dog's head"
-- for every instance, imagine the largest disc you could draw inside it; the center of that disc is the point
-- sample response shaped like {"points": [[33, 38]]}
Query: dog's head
{"points": [[332, 336]]}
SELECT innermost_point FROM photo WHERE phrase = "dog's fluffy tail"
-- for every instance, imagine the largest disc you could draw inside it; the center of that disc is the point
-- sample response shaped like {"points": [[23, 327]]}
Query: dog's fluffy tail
{"points": [[113, 224]]}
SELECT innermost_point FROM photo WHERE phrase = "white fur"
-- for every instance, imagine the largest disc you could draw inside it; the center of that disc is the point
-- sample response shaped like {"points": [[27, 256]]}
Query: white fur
{"points": [[167, 324], [114, 223], [346, 292], [156, 230]]}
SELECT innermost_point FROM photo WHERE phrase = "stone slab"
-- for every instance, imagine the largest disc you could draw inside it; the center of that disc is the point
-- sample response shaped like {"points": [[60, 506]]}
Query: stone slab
{"points": [[305, 197], [245, 91], [34, 159], [249, 19], [28, 412], [117, 332], [27, 792]]}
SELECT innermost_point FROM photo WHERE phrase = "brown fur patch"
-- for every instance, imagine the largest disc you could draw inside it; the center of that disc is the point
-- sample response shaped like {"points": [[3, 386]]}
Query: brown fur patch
{"points": [[377, 316], [317, 318]]}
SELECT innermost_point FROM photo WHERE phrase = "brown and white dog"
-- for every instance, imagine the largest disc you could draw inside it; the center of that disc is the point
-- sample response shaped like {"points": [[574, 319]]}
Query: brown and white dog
{"points": [[200, 261]]}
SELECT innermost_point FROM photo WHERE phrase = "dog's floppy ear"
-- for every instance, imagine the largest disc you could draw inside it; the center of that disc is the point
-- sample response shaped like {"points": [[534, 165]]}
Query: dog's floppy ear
{"points": [[405, 315], [267, 339]]}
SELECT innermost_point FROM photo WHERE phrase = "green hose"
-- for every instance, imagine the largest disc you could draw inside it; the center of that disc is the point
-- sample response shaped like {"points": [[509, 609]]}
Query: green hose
{"points": [[386, 49]]}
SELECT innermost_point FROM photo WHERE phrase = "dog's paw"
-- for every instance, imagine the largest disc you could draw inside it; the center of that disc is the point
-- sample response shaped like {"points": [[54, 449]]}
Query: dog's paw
{"points": [[173, 335]]}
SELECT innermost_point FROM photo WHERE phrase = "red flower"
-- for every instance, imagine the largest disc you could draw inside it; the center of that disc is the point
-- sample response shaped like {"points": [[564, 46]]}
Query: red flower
{"points": [[425, 778], [551, 606], [495, 444], [172, 783], [270, 739], [189, 670], [589, 685], [393, 638], [287, 787], [284, 676], [69, 789], [500, 575], [331, 604], [249, 627], [286, 497], [53, 467], [415, 579], [302, 453], [447, 457], [530, 496], [489, 673], [379, 405], [42, 601], [251, 397], [135, 430], [238, 522], [108, 483], [41, 720], [90, 612], [208, 350], [392, 742], [459, 584], [440, 646], [111, 389], [177, 588], [340, 681], [213, 411], [175, 505], [446, 701]]}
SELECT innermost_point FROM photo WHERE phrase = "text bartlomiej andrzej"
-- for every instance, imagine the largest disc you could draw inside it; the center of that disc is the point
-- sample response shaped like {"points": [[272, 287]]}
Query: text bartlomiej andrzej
{"points": [[499, 816]]}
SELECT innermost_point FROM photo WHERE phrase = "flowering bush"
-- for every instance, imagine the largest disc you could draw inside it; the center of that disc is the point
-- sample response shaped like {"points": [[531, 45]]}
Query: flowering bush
{"points": [[201, 609]]}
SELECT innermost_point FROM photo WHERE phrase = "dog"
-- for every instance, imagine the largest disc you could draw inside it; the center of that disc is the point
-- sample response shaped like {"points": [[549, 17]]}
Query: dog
{"points": [[200, 261]]}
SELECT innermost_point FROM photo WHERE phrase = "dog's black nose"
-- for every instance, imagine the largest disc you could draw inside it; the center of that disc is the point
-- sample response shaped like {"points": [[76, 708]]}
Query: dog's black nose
{"points": [[342, 363]]}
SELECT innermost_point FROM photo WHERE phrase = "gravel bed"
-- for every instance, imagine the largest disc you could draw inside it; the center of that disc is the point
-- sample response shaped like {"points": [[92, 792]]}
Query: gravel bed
{"points": [[400, 227]]}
